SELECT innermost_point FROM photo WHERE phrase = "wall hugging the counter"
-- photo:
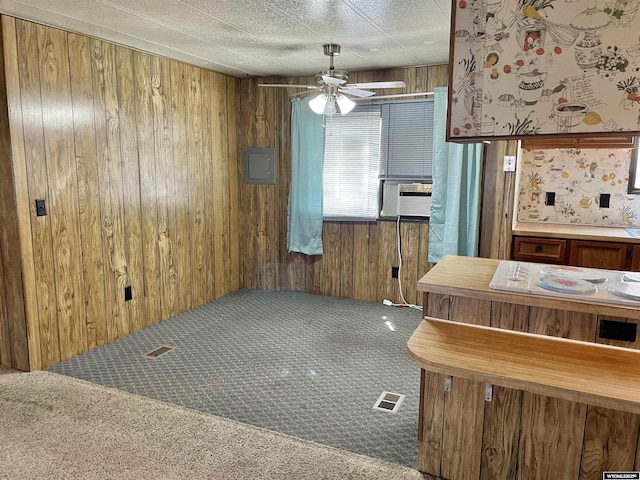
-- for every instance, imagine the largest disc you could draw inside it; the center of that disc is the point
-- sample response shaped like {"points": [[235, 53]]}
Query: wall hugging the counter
{"points": [[136, 157]]}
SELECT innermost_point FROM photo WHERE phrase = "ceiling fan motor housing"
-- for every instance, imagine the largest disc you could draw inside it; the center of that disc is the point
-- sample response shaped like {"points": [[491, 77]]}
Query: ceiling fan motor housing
{"points": [[331, 49]]}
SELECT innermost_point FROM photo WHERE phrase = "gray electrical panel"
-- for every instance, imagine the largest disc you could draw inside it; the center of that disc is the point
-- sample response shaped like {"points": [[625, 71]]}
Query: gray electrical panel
{"points": [[260, 165]]}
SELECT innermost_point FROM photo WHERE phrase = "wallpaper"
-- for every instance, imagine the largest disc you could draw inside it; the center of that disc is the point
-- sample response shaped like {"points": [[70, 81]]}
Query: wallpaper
{"points": [[575, 180], [527, 67]]}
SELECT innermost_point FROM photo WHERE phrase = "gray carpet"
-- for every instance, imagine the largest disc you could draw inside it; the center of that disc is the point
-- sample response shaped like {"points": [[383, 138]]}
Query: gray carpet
{"points": [[57, 427], [304, 365]]}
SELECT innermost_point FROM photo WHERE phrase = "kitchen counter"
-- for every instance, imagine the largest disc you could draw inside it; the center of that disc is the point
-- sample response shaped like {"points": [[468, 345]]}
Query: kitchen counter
{"points": [[523, 432], [470, 277], [576, 232]]}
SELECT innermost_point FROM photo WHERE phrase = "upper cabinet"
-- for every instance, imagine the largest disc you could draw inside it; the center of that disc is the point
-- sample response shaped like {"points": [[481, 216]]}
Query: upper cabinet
{"points": [[523, 68]]}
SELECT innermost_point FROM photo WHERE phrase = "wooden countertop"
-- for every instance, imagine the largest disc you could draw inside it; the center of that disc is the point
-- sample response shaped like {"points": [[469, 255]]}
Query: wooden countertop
{"points": [[470, 277], [574, 232], [583, 372]]}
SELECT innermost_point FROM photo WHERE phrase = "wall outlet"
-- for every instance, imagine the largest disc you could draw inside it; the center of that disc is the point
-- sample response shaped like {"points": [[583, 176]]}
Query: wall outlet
{"points": [[128, 295], [550, 198], [394, 272], [605, 198], [41, 207], [509, 163]]}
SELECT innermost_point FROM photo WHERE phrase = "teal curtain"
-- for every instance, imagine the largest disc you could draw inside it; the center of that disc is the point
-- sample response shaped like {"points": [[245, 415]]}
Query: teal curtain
{"points": [[455, 201], [304, 220]]}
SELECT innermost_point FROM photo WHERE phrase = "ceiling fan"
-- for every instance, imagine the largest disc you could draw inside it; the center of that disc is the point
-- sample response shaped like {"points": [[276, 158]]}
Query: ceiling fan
{"points": [[334, 90]]}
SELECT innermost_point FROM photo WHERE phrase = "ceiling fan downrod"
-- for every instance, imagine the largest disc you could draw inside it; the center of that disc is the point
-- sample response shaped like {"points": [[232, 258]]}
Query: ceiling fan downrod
{"points": [[331, 50]]}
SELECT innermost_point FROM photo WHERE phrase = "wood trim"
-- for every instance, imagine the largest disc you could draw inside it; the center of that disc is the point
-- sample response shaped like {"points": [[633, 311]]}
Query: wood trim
{"points": [[561, 368]]}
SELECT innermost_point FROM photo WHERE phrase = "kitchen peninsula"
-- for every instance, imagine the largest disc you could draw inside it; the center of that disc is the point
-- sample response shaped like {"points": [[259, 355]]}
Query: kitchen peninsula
{"points": [[519, 419]]}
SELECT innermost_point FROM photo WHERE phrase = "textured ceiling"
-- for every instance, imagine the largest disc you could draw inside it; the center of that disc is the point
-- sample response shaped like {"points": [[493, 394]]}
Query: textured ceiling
{"points": [[259, 38]]}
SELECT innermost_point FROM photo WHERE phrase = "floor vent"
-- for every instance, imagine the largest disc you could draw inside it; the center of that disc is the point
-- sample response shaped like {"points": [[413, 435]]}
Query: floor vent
{"points": [[389, 402], [161, 350]]}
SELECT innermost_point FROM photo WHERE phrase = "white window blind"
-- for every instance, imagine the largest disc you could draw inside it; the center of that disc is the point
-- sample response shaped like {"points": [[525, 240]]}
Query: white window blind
{"points": [[351, 164], [407, 140]]}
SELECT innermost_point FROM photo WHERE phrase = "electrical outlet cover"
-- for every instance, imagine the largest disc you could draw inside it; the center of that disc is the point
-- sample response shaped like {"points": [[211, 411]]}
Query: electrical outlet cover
{"points": [[509, 163]]}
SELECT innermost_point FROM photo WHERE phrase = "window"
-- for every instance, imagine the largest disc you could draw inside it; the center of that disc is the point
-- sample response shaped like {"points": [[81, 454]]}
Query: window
{"points": [[351, 164], [374, 142], [407, 141]]}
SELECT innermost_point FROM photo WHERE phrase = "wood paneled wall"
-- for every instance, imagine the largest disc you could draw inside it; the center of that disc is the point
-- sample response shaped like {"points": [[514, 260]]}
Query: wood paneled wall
{"points": [[136, 157], [13, 329], [358, 256]]}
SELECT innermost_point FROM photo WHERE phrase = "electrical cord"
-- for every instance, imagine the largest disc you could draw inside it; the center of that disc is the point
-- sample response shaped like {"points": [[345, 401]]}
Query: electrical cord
{"points": [[404, 301]]}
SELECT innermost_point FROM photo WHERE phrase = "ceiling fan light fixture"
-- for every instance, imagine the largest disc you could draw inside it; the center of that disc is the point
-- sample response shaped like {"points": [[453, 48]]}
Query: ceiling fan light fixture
{"points": [[345, 104], [330, 107], [318, 103]]}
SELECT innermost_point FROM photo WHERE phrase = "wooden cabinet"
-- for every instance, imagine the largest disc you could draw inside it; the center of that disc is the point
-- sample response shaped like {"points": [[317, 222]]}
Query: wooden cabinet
{"points": [[545, 250], [608, 255], [635, 258], [545, 142], [581, 253]]}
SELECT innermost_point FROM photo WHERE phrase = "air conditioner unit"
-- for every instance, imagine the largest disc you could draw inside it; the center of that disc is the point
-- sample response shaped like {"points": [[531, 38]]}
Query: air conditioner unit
{"points": [[406, 199]]}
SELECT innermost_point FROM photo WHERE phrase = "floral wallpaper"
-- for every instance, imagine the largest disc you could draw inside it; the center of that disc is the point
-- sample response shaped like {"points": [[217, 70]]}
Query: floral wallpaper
{"points": [[577, 178], [528, 67]]}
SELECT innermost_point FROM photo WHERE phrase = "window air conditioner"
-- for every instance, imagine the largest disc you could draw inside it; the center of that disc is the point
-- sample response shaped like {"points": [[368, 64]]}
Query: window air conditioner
{"points": [[406, 199]]}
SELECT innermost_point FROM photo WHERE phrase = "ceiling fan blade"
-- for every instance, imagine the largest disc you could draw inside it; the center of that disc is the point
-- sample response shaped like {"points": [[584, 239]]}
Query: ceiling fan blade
{"points": [[398, 84], [308, 87], [403, 95], [332, 80], [357, 92]]}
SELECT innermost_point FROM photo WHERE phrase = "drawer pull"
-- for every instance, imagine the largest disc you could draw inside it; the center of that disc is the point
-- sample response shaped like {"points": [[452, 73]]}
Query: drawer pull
{"points": [[538, 248]]}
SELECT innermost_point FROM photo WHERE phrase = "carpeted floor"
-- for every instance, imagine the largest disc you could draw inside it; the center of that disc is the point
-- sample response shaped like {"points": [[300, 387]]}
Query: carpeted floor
{"points": [[57, 427], [4, 370], [309, 366]]}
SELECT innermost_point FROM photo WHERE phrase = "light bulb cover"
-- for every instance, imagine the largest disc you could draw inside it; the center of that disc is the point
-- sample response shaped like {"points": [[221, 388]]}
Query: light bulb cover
{"points": [[318, 104], [330, 107], [345, 104]]}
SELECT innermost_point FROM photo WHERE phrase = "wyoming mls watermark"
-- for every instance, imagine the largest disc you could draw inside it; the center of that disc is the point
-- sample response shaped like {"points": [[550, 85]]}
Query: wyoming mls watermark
{"points": [[621, 475]]}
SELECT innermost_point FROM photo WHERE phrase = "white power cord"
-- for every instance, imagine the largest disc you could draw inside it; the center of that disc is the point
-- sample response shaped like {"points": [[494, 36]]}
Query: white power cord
{"points": [[404, 301]]}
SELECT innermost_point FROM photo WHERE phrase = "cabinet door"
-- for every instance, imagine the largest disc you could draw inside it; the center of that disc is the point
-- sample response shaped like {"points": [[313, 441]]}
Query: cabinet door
{"points": [[534, 249], [635, 260], [622, 141], [607, 255]]}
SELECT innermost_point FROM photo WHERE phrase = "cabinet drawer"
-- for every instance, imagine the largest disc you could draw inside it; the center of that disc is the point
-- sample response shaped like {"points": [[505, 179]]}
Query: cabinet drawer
{"points": [[548, 250]]}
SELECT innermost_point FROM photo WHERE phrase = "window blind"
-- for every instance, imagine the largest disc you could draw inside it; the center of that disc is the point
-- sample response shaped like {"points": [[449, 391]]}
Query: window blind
{"points": [[352, 164], [407, 140]]}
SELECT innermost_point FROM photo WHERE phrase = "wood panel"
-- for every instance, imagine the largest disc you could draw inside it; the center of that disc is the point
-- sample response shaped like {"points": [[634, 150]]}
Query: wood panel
{"points": [[437, 305], [28, 75], [113, 140], [610, 442], [179, 218], [13, 327], [23, 203], [110, 173], [470, 310], [88, 189], [551, 439], [501, 432], [231, 119], [563, 323], [430, 425], [462, 435], [497, 204], [148, 192], [132, 222]]}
